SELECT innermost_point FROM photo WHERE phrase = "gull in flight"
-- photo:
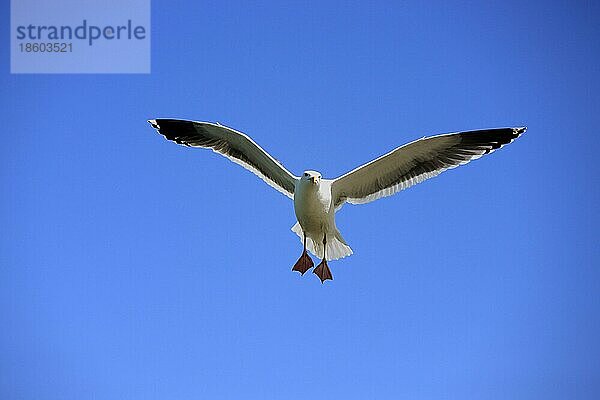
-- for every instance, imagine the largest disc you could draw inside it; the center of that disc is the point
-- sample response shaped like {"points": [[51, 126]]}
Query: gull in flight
{"points": [[316, 200]]}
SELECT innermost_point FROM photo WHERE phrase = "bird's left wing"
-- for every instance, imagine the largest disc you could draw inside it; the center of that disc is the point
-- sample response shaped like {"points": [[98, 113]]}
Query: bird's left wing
{"points": [[414, 162], [236, 146]]}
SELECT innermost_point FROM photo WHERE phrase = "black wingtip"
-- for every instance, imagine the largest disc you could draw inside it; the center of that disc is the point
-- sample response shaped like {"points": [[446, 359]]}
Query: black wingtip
{"points": [[520, 130]]}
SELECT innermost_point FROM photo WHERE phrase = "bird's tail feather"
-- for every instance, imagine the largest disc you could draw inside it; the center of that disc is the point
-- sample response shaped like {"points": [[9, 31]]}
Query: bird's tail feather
{"points": [[336, 245]]}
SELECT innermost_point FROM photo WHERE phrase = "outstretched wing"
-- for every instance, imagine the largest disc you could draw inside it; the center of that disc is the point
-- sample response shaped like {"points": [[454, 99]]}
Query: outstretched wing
{"points": [[234, 145], [416, 161]]}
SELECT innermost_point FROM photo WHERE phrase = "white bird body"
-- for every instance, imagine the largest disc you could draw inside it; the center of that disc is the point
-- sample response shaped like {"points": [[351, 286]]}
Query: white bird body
{"points": [[315, 212], [312, 204], [316, 200]]}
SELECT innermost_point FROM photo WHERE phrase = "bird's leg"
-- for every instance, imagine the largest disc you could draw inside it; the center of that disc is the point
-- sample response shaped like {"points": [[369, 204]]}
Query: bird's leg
{"points": [[322, 270], [304, 263]]}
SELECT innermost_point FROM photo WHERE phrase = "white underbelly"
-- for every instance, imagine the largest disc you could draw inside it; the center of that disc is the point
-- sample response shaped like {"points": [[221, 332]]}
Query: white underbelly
{"points": [[312, 212]]}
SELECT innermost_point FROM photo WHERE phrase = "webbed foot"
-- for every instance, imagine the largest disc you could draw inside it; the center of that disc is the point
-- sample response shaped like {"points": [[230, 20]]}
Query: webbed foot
{"points": [[323, 272], [304, 263]]}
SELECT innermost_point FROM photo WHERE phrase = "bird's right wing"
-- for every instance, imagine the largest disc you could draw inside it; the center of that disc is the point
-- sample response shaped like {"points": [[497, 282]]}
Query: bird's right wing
{"points": [[416, 161], [236, 146]]}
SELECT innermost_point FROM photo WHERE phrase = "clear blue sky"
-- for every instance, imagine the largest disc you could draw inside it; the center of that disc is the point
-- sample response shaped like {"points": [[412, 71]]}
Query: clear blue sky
{"points": [[132, 268]]}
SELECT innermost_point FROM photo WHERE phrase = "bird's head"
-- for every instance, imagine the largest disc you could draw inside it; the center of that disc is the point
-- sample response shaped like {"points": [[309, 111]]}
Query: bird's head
{"points": [[311, 176]]}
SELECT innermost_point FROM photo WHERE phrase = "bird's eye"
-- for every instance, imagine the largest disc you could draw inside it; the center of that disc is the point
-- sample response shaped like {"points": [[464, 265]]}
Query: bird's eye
{"points": [[305, 174]]}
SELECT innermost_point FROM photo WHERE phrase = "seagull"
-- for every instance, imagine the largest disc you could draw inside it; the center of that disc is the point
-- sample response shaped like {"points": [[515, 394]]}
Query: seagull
{"points": [[316, 200]]}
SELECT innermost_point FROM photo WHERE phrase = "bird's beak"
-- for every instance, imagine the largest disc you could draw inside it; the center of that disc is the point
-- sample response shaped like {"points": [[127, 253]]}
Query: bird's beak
{"points": [[313, 179]]}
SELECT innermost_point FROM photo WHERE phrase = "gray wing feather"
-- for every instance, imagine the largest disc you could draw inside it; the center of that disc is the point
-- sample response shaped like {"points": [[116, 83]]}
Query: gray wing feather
{"points": [[417, 161], [236, 146]]}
